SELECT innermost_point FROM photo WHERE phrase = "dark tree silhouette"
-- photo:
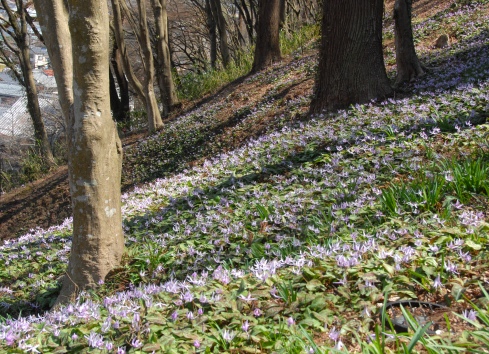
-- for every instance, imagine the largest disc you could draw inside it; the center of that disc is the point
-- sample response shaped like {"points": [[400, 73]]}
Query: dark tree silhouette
{"points": [[267, 49], [351, 64]]}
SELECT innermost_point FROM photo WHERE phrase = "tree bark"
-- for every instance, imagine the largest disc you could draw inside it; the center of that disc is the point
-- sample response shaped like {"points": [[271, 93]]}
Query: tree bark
{"points": [[40, 134], [168, 94], [121, 44], [115, 102], [267, 49], [212, 27], [351, 65], [118, 73], [53, 18], [95, 157], [223, 31], [18, 32], [246, 14], [283, 16], [154, 117], [408, 65]]}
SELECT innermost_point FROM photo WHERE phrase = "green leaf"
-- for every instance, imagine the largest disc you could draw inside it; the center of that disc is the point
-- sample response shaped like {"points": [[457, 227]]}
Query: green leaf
{"points": [[262, 211], [311, 322], [473, 245], [428, 270], [273, 311], [309, 274], [151, 347], [390, 269], [314, 285], [318, 304], [323, 316], [417, 336]]}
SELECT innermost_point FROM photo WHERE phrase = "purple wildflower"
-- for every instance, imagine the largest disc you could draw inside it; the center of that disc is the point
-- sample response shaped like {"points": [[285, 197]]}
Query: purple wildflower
{"points": [[470, 315], [246, 326], [290, 321], [437, 282]]}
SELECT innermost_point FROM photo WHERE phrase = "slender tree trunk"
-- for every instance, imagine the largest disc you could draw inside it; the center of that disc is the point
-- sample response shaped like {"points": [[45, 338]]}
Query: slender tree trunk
{"points": [[95, 155], [247, 17], [154, 117], [118, 72], [53, 18], [351, 64], [408, 65], [40, 134], [283, 15], [18, 32], [267, 49], [242, 33], [115, 102], [223, 31], [121, 44], [212, 27], [169, 97]]}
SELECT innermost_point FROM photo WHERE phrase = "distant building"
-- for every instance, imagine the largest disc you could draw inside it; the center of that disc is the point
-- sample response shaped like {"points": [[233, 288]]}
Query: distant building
{"points": [[15, 120], [39, 57]]}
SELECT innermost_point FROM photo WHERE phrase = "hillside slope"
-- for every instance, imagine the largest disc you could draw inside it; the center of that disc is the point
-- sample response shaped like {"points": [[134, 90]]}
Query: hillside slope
{"points": [[261, 229], [45, 202]]}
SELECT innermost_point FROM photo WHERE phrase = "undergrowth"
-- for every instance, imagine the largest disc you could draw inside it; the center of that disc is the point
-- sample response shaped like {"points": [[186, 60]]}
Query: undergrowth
{"points": [[296, 240]]}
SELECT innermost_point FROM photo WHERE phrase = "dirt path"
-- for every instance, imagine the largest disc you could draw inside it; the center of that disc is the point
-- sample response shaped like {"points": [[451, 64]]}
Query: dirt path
{"points": [[43, 203]]}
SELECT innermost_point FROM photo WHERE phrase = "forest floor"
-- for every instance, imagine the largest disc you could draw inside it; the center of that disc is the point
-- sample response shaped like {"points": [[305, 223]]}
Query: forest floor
{"points": [[253, 227], [46, 202]]}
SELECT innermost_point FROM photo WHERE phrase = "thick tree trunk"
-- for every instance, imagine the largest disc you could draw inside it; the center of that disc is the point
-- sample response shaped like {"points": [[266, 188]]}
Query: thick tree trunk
{"points": [[154, 117], [95, 155], [408, 65], [267, 49], [351, 64], [168, 94]]}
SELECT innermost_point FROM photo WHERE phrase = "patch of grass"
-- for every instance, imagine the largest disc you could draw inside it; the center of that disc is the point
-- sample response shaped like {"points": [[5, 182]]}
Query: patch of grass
{"points": [[194, 85], [298, 41], [423, 194], [467, 177]]}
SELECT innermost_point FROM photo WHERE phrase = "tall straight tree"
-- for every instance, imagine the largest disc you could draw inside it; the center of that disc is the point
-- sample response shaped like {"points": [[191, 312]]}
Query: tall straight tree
{"points": [[120, 101], [408, 65], [95, 154], [152, 110], [53, 19], [351, 64], [15, 37], [216, 9], [145, 90], [212, 27], [165, 80], [267, 48]]}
